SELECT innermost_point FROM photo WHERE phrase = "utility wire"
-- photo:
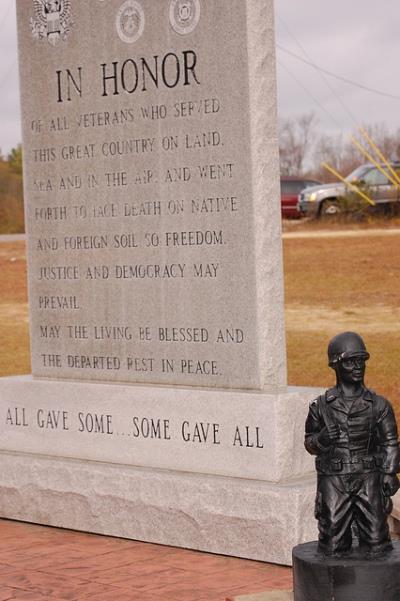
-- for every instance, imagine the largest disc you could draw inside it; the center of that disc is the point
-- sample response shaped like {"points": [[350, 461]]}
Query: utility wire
{"points": [[317, 102], [340, 77], [321, 74]]}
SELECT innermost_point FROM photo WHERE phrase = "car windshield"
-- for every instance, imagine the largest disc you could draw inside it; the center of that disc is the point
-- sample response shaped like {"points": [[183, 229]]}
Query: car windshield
{"points": [[358, 173], [371, 175], [295, 186]]}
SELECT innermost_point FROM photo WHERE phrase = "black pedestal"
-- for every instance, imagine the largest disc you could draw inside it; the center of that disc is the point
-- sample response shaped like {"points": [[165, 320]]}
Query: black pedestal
{"points": [[353, 578]]}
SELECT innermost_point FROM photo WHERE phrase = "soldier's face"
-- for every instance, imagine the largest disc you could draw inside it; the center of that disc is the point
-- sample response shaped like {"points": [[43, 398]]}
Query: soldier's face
{"points": [[351, 370]]}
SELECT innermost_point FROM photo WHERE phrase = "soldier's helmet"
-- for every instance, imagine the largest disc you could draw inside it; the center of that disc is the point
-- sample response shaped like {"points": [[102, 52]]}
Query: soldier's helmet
{"points": [[345, 346]]}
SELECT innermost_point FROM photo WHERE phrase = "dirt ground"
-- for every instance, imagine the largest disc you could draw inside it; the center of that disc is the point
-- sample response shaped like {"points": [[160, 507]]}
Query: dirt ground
{"points": [[332, 283], [14, 327], [342, 283]]}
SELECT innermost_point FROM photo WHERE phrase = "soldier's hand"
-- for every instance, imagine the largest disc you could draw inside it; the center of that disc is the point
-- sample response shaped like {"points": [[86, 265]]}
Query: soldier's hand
{"points": [[390, 484], [329, 435]]}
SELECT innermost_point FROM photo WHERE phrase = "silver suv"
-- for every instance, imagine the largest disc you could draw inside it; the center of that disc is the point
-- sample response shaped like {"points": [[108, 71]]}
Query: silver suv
{"points": [[328, 199]]}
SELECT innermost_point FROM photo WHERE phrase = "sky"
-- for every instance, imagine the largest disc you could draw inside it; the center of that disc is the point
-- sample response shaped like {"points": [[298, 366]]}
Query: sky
{"points": [[355, 39]]}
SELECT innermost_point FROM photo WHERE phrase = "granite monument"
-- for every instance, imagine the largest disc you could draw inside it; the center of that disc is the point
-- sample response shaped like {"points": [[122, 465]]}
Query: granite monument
{"points": [[158, 406]]}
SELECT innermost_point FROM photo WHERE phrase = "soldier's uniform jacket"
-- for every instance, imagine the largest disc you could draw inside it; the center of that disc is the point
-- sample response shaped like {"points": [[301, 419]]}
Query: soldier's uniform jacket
{"points": [[368, 434]]}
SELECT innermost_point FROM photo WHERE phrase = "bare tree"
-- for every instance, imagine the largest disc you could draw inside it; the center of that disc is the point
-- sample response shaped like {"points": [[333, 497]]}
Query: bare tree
{"points": [[302, 151], [15, 159], [336, 152], [294, 143], [387, 142]]}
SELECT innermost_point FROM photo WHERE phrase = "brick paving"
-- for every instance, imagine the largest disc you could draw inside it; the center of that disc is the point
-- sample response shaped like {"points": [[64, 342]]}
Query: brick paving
{"points": [[39, 563]]}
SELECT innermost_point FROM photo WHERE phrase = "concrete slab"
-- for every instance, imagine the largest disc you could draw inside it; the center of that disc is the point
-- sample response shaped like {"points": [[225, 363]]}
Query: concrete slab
{"points": [[267, 596]]}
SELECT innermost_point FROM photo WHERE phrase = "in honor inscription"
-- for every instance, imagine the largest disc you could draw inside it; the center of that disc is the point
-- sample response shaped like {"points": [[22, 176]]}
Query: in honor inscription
{"points": [[140, 195]]}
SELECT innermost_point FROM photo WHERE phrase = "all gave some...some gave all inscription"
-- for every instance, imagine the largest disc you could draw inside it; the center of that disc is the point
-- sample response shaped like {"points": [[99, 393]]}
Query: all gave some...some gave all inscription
{"points": [[151, 186]]}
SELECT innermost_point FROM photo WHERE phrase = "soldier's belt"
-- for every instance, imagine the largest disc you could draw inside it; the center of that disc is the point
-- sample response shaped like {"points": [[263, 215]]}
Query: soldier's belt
{"points": [[354, 465]]}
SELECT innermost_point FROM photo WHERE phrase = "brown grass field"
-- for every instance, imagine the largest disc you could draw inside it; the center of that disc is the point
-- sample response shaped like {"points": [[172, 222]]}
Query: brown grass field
{"points": [[337, 284], [331, 284], [14, 326]]}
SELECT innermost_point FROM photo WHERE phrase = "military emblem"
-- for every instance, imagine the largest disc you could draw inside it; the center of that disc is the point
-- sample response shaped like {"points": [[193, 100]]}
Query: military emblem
{"points": [[184, 15], [130, 21], [53, 20]]}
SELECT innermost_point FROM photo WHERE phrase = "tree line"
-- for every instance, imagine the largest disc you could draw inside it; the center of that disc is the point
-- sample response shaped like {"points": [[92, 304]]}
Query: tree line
{"points": [[11, 193], [303, 149]]}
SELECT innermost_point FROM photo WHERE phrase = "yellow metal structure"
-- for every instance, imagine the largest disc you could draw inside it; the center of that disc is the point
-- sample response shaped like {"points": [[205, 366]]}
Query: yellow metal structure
{"points": [[348, 184], [380, 155], [395, 182]]}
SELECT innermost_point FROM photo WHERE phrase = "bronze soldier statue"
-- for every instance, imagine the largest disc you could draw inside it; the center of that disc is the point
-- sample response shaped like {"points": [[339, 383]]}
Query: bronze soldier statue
{"points": [[353, 433]]}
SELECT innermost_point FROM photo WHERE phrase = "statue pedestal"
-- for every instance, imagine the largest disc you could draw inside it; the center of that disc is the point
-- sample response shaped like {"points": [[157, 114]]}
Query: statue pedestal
{"points": [[351, 578]]}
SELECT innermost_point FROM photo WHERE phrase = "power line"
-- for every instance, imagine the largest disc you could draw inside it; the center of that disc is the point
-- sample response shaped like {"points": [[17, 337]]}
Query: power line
{"points": [[317, 102], [321, 74], [340, 77]]}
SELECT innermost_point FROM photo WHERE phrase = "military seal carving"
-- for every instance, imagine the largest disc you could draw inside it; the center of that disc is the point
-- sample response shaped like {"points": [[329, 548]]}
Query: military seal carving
{"points": [[53, 20], [184, 15], [130, 21]]}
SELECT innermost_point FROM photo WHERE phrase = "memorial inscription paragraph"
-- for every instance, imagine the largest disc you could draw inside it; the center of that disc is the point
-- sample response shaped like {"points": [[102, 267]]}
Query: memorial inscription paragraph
{"points": [[138, 171]]}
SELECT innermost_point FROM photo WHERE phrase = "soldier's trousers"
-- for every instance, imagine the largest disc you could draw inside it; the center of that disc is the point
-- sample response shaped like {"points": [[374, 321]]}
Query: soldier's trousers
{"points": [[342, 500]]}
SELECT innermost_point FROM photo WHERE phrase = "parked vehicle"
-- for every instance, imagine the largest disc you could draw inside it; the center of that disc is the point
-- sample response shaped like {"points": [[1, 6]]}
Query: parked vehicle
{"points": [[291, 186], [330, 199]]}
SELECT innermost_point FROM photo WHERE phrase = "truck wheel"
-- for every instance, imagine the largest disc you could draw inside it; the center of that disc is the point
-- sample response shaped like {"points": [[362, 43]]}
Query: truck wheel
{"points": [[330, 208]]}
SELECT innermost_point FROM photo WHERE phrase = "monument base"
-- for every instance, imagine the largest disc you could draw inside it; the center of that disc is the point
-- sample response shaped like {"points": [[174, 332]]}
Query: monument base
{"points": [[354, 578], [212, 470], [236, 433], [231, 516]]}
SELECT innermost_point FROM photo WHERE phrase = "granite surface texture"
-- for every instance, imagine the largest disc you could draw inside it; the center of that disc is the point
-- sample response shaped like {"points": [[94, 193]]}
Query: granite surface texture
{"points": [[231, 516], [159, 408]]}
